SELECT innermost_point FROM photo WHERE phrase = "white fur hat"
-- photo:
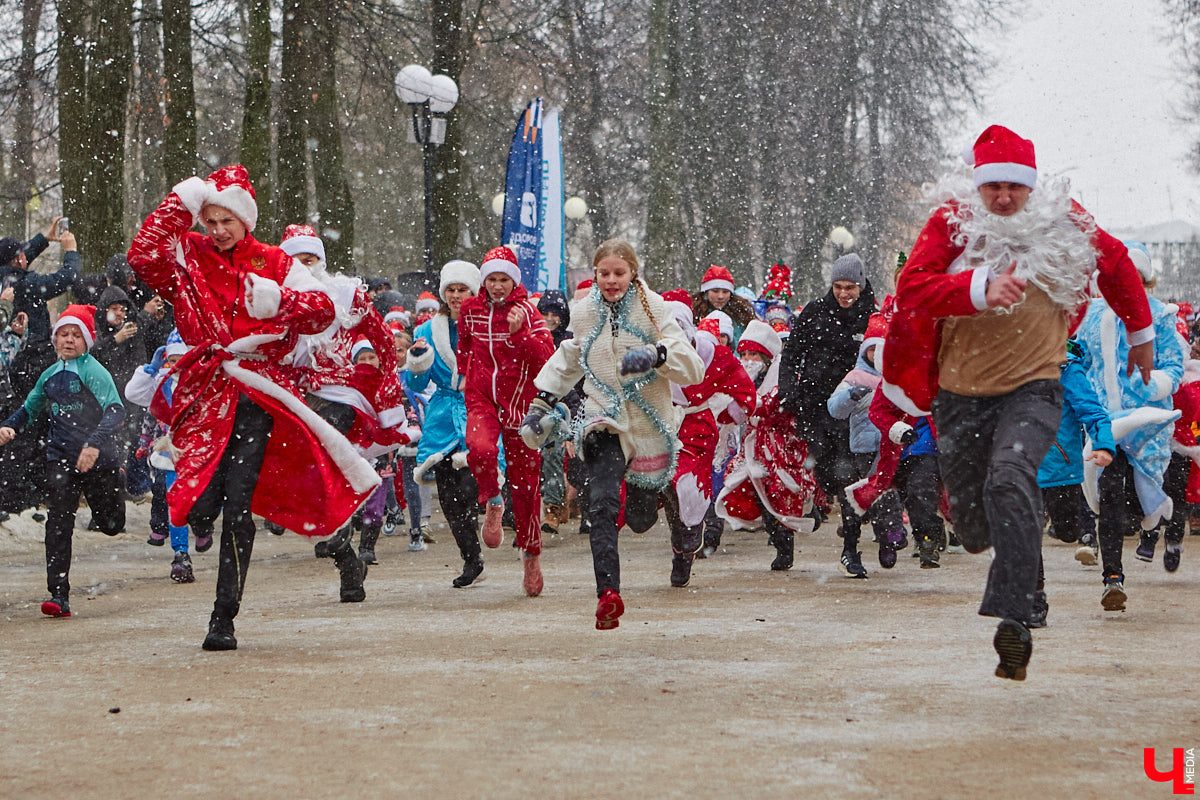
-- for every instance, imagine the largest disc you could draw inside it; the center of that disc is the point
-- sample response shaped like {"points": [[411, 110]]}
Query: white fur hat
{"points": [[459, 271]]}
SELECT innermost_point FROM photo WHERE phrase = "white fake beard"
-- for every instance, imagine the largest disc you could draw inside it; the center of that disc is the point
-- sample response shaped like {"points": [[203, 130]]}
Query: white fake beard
{"points": [[754, 368], [1045, 239]]}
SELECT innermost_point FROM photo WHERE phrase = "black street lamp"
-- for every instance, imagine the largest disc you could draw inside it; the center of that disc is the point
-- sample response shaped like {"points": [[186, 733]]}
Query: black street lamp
{"points": [[430, 97]]}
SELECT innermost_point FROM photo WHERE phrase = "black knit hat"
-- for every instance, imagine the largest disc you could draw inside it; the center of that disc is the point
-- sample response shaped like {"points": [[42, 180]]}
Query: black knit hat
{"points": [[9, 248]]}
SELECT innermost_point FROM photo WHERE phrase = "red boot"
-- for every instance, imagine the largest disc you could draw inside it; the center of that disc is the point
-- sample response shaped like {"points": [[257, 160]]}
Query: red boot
{"points": [[609, 610], [533, 576], [493, 528]]}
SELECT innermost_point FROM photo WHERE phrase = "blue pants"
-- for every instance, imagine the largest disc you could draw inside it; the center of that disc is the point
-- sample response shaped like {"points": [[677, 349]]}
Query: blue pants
{"points": [[159, 518]]}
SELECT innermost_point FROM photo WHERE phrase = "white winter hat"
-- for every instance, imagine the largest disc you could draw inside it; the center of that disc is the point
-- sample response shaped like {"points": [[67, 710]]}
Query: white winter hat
{"points": [[459, 271], [759, 337], [683, 315]]}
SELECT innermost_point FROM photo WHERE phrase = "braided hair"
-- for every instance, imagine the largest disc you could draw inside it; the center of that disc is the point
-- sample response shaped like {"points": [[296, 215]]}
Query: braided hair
{"points": [[624, 251]]}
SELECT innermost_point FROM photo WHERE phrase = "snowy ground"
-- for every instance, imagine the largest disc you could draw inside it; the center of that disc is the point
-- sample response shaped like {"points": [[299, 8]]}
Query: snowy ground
{"points": [[746, 683]]}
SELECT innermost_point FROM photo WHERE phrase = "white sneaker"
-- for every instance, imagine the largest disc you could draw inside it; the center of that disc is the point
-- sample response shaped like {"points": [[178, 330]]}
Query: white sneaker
{"points": [[416, 542], [1085, 555]]}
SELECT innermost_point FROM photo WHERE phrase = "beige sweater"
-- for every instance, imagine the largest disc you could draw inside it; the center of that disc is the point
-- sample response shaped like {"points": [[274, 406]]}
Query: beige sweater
{"points": [[619, 403]]}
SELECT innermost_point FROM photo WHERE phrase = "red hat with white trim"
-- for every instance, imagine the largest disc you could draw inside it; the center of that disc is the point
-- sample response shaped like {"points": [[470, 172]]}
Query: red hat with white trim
{"points": [[427, 302], [500, 259], [1000, 155], [299, 239], [231, 189], [358, 347], [717, 277], [81, 315], [759, 337]]}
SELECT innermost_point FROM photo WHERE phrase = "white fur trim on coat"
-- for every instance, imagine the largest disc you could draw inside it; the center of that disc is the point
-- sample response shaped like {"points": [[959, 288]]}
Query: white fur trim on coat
{"points": [[419, 365], [980, 278], [1163, 385], [263, 296], [1140, 337], [902, 401], [358, 473]]}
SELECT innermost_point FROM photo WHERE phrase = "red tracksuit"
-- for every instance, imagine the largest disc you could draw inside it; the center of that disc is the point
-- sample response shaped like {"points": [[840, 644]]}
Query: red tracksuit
{"points": [[499, 368]]}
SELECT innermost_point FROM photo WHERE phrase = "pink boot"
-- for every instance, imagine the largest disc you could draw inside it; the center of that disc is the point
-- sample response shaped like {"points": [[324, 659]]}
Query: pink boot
{"points": [[533, 576], [493, 530]]}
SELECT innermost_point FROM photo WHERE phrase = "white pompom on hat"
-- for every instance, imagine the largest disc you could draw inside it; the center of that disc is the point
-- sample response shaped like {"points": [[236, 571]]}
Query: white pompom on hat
{"points": [[459, 271]]}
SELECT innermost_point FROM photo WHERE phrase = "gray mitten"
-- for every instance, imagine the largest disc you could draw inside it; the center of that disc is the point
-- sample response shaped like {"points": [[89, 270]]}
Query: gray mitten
{"points": [[639, 360], [536, 428]]}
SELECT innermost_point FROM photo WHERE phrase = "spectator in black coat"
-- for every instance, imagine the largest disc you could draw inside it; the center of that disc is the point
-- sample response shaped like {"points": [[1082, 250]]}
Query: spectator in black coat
{"points": [[822, 348]]}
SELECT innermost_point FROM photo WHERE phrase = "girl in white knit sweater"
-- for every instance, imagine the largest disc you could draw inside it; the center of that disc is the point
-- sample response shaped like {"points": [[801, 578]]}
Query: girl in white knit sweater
{"points": [[628, 348]]}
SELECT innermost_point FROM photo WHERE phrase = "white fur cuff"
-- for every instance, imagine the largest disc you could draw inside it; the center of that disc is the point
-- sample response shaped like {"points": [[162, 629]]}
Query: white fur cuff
{"points": [[897, 431], [193, 192], [1163, 386], [980, 278], [391, 417], [263, 297], [1140, 337], [419, 365]]}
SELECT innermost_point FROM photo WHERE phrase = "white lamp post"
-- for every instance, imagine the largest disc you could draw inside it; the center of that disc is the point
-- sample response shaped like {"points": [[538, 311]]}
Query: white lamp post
{"points": [[430, 97]]}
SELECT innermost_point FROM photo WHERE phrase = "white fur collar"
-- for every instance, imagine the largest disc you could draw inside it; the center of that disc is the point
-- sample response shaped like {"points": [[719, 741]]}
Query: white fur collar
{"points": [[439, 329]]}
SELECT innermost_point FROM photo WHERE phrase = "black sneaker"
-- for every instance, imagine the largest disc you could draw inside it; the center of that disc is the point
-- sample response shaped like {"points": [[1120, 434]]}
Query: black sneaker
{"points": [[681, 569], [1014, 645], [274, 527], [471, 571], [220, 634], [1146, 543], [321, 549], [1171, 553], [785, 551], [927, 551], [367, 556], [852, 564], [1041, 609], [181, 569]]}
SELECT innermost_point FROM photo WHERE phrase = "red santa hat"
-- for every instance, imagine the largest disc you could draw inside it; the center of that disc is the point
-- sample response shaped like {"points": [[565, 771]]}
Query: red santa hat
{"points": [[710, 325], [427, 302], [358, 347], [500, 259], [717, 277], [84, 317], [1000, 155], [759, 337], [397, 314], [678, 296], [231, 189], [299, 239], [586, 283], [724, 322], [875, 334]]}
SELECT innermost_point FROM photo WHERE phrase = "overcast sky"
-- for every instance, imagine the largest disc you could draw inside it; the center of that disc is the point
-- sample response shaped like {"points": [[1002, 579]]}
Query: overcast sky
{"points": [[1092, 83]]}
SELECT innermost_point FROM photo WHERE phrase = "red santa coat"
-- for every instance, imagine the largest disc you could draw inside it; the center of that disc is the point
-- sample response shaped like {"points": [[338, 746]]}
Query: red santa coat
{"points": [[499, 366], [233, 354], [375, 394], [727, 390], [929, 291]]}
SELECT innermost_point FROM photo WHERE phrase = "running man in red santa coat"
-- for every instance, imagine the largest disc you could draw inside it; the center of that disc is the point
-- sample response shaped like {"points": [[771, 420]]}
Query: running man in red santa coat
{"points": [[244, 438], [983, 307]]}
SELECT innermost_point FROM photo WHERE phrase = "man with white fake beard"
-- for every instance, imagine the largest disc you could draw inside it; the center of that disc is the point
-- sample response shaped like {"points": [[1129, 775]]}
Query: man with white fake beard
{"points": [[983, 309]]}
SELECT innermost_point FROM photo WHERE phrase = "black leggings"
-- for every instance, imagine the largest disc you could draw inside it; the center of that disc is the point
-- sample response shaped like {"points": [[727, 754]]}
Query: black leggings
{"points": [[229, 494], [606, 465], [458, 494]]}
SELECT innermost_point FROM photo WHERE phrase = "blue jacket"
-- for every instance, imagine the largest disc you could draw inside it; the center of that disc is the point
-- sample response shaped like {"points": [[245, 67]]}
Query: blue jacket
{"points": [[925, 445], [864, 436], [85, 410], [1081, 409], [444, 429]]}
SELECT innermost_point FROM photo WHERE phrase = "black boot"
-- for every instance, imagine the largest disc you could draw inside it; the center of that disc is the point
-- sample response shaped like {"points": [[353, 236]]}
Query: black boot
{"points": [[472, 569], [220, 632], [353, 572], [785, 548], [366, 544], [681, 569]]}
